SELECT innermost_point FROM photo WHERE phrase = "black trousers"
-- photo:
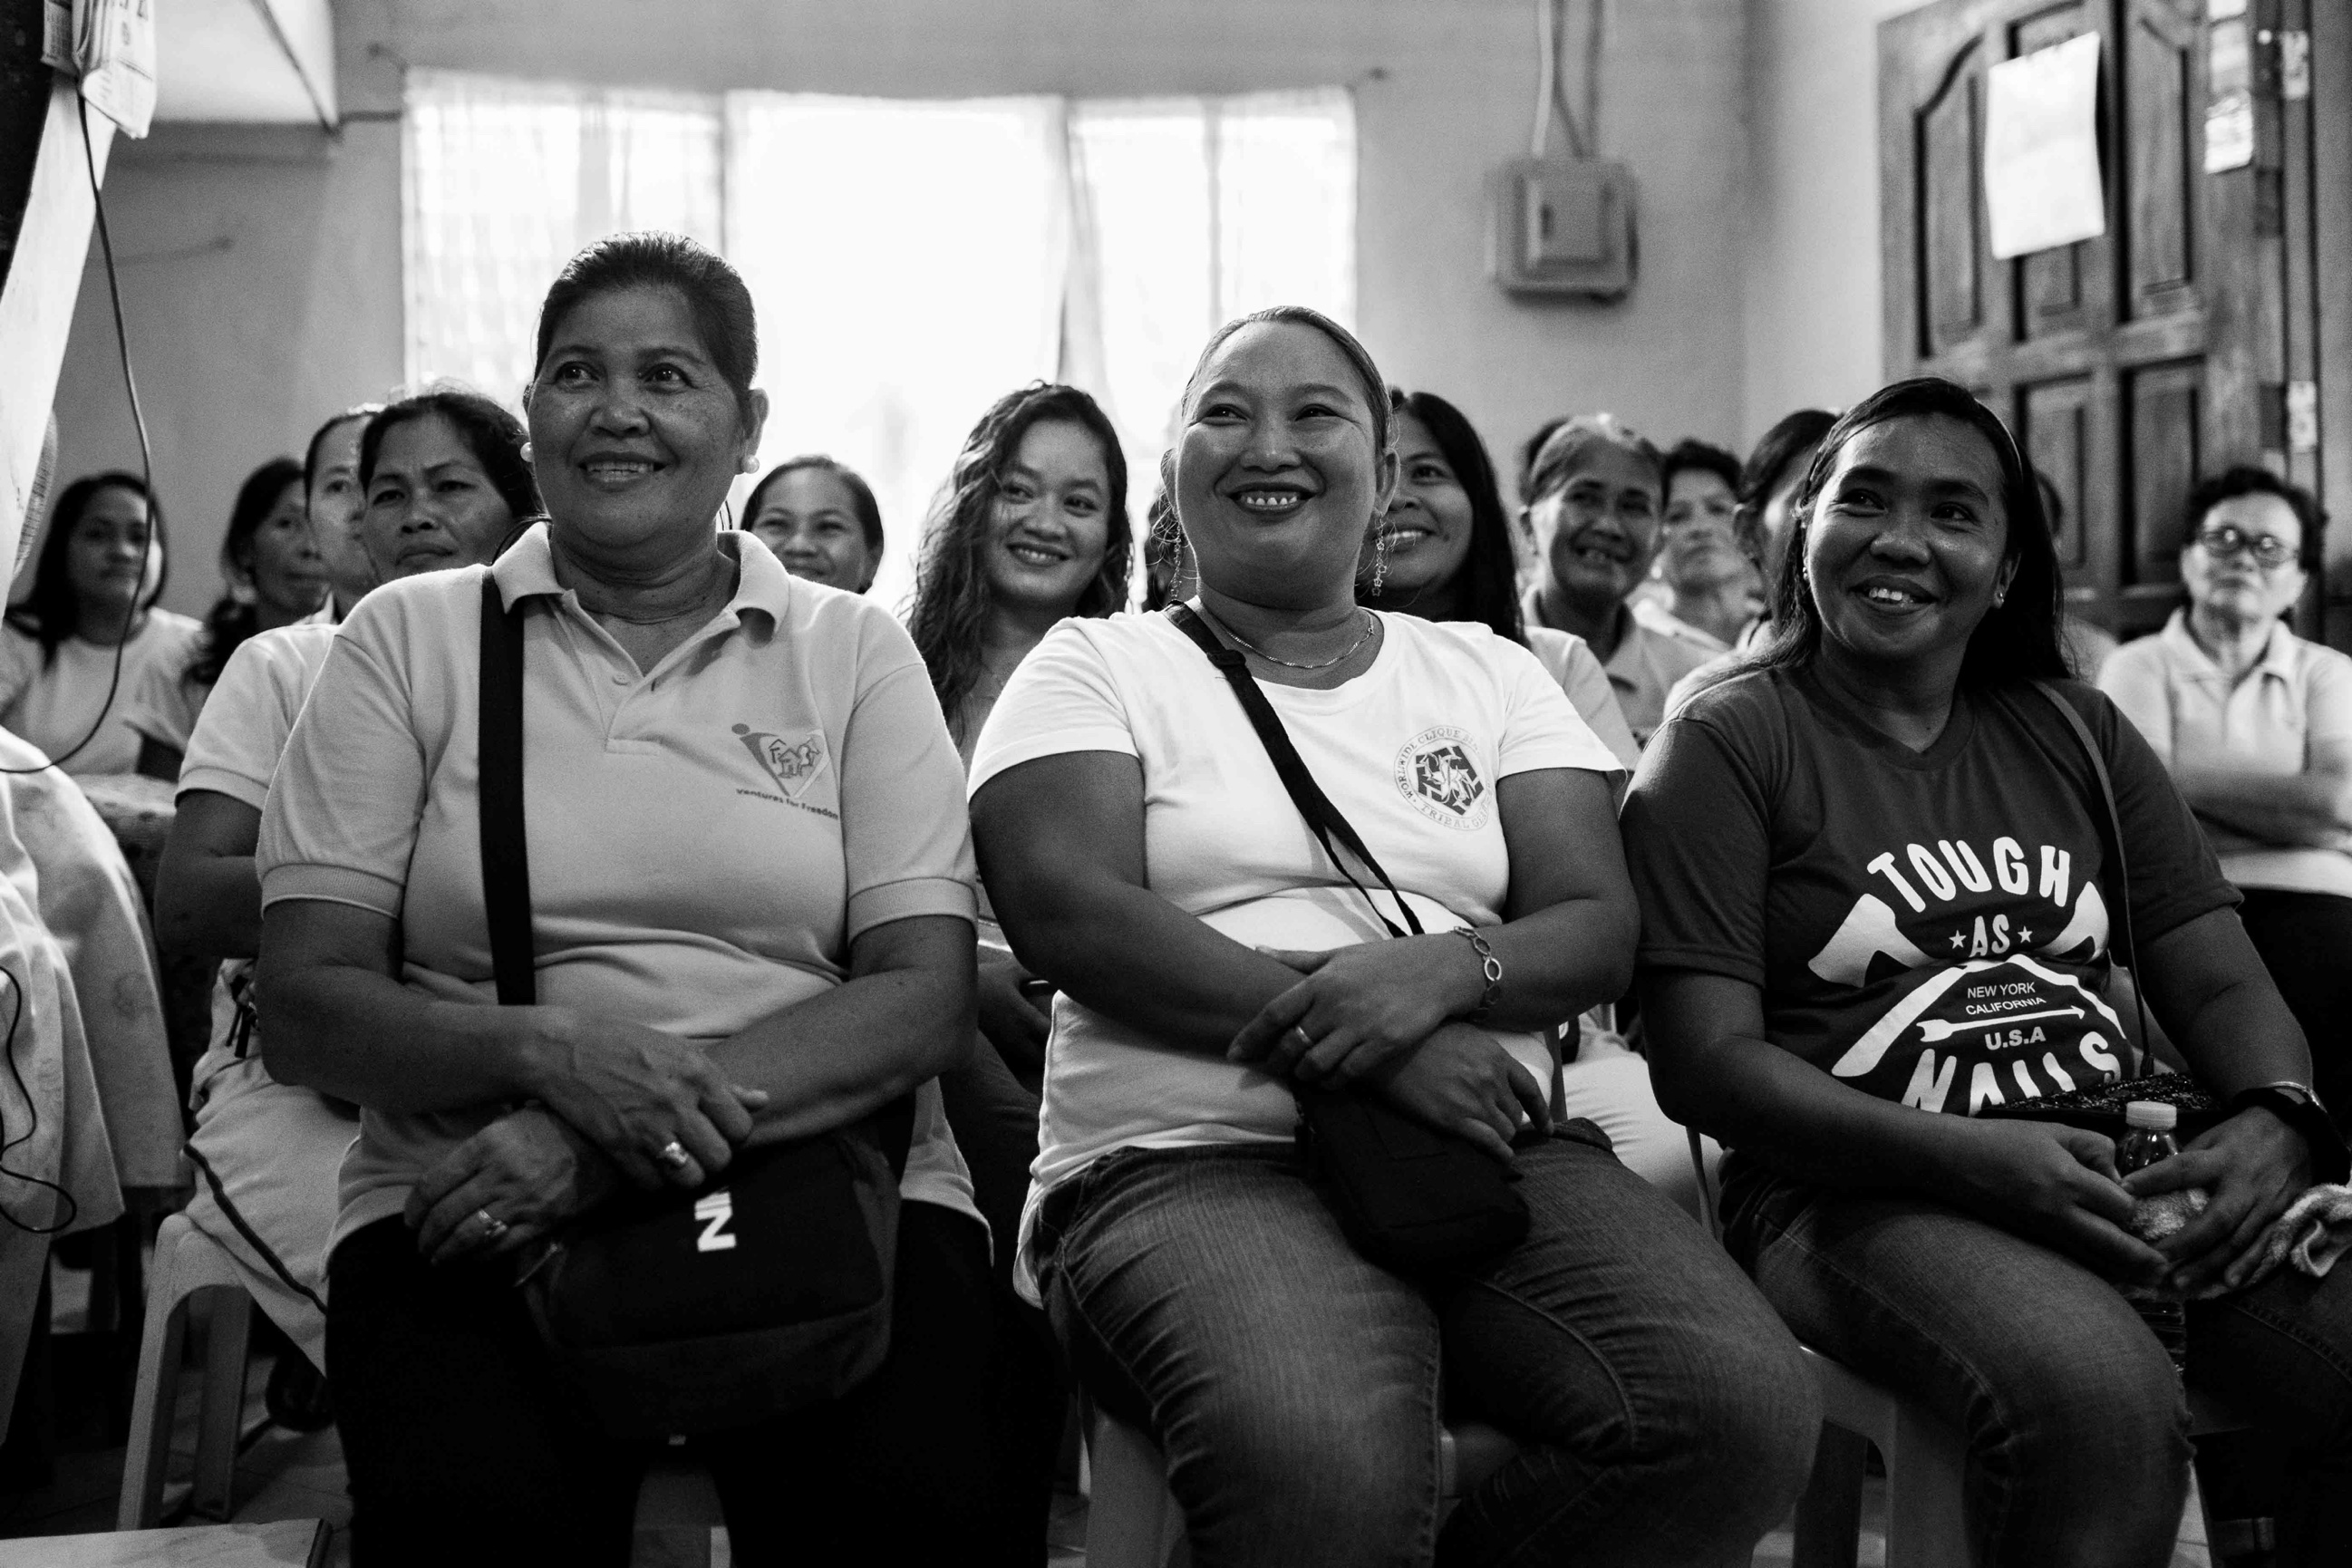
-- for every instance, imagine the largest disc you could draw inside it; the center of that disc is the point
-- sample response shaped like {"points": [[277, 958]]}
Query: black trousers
{"points": [[2305, 942], [462, 1448]]}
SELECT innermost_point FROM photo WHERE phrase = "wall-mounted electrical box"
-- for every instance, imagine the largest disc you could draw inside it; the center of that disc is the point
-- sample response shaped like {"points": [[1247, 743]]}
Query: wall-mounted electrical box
{"points": [[1562, 227]]}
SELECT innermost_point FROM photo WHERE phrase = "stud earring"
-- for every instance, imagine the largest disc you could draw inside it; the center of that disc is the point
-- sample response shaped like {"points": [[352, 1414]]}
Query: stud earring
{"points": [[526, 451]]}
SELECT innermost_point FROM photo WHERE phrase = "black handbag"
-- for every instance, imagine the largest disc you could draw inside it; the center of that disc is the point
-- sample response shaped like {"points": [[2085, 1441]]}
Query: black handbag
{"points": [[1407, 1197], [2100, 1108], [680, 1312]]}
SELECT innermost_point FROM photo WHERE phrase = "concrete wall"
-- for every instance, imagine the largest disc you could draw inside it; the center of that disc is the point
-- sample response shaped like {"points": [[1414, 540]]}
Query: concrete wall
{"points": [[1809, 278], [262, 268]]}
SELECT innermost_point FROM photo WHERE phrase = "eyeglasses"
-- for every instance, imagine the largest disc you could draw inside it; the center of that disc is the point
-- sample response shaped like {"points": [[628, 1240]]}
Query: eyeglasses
{"points": [[2226, 540]]}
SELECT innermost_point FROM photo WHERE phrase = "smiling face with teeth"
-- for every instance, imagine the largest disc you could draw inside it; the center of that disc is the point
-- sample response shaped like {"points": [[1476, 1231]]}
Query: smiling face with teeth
{"points": [[1279, 472], [635, 435], [1428, 525], [1049, 528], [1907, 545], [1595, 525]]}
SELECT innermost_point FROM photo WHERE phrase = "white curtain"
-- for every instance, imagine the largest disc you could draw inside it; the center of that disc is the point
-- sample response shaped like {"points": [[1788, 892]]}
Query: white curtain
{"points": [[502, 181], [910, 260]]}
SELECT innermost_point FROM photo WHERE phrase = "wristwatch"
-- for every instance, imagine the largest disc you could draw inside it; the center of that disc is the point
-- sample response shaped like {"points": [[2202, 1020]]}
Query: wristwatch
{"points": [[2299, 1107]]}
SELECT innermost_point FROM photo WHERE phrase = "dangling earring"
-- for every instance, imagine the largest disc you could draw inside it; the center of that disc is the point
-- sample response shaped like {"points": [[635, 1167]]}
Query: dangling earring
{"points": [[1379, 562]]}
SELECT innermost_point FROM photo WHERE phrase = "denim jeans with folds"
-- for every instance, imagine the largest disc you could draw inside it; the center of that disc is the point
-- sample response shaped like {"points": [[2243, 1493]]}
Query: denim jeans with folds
{"points": [[1209, 1296], [2077, 1427]]}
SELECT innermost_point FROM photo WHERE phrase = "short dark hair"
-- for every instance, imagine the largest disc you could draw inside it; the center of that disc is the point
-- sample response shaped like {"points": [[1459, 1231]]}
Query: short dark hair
{"points": [[51, 612], [2019, 639], [361, 411], [654, 259], [1376, 391], [1528, 451], [1693, 455], [861, 494], [495, 436], [1489, 573], [2245, 480], [231, 619]]}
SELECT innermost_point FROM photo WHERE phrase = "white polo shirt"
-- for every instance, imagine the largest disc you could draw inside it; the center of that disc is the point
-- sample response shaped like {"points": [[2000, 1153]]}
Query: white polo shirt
{"points": [[706, 838], [2300, 694], [1643, 666]]}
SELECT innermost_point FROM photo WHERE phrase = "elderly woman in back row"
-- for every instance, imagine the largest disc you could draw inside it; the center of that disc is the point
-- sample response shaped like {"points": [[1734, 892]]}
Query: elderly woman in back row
{"points": [[751, 905], [2256, 725], [1143, 855]]}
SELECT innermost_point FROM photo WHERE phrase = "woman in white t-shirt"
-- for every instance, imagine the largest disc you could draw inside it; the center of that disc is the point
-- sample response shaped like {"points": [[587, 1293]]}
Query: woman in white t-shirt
{"points": [[268, 1154], [1144, 857], [75, 649]]}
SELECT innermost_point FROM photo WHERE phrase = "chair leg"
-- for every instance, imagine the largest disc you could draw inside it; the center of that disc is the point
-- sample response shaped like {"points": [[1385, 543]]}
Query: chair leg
{"points": [[225, 1337], [1829, 1515], [1926, 1519], [152, 1405]]}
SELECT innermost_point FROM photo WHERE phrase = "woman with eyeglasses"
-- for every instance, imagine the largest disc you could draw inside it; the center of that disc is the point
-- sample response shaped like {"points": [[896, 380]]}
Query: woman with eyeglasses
{"points": [[2256, 725]]}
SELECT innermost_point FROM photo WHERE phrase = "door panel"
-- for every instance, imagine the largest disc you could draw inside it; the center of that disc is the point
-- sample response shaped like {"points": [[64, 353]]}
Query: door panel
{"points": [[2130, 364]]}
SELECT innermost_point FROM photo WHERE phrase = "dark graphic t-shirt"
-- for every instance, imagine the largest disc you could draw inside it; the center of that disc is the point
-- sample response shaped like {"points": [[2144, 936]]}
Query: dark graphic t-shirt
{"points": [[1932, 927]]}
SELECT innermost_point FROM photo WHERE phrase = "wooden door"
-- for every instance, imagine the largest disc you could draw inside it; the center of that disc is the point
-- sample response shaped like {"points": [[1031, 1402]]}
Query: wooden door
{"points": [[2129, 364]]}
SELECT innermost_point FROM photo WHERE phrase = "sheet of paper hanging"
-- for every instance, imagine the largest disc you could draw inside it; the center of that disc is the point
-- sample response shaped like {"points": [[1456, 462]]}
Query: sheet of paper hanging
{"points": [[2229, 102], [2042, 179], [117, 51]]}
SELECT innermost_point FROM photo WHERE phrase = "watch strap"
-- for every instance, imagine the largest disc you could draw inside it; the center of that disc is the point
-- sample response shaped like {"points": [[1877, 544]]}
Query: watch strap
{"points": [[2297, 1105]]}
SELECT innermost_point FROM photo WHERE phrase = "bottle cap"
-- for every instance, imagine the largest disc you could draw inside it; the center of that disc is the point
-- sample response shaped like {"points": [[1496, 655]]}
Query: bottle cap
{"points": [[2152, 1115]]}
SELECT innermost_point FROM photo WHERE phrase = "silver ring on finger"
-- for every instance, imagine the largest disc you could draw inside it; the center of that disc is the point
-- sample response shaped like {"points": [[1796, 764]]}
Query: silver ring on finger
{"points": [[493, 1227], [1299, 1038], [673, 1156]]}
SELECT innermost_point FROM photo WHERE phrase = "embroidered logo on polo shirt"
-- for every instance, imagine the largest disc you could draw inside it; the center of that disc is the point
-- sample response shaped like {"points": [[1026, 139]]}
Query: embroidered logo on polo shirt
{"points": [[1436, 775], [793, 761]]}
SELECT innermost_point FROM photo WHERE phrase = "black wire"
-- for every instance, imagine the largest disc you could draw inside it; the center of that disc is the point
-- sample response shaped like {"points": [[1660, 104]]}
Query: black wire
{"points": [[146, 456], [73, 1209]]}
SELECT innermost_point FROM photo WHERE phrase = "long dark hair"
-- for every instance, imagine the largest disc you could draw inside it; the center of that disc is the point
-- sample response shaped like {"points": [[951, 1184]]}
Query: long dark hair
{"points": [[1489, 572], [51, 612], [951, 593], [861, 494], [234, 617], [495, 436], [2018, 638]]}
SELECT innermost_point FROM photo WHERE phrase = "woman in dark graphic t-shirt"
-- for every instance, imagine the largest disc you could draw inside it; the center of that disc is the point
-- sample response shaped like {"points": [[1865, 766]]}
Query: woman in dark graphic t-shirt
{"points": [[1875, 904]]}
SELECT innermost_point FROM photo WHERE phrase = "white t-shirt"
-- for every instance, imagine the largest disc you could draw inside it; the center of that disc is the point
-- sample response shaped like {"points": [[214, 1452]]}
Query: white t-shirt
{"points": [[54, 706], [1569, 660], [1410, 752]]}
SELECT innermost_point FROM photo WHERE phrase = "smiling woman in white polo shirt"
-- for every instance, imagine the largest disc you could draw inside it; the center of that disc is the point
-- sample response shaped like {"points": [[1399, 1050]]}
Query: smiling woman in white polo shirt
{"points": [[2256, 725], [728, 948]]}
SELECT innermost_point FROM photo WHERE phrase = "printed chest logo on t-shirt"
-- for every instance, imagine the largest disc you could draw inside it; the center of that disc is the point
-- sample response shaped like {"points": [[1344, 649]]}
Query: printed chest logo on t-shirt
{"points": [[794, 762], [1981, 960], [1437, 778]]}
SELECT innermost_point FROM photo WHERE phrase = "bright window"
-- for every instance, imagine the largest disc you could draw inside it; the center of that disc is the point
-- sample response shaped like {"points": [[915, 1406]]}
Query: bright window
{"points": [[910, 260]]}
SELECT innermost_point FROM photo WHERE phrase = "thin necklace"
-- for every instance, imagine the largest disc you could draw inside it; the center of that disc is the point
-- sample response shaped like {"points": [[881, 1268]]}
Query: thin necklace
{"points": [[1292, 663]]}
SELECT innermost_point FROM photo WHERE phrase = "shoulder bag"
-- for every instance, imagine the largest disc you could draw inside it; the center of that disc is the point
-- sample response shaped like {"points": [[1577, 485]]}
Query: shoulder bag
{"points": [[2100, 1108], [1407, 1197], [680, 1312]]}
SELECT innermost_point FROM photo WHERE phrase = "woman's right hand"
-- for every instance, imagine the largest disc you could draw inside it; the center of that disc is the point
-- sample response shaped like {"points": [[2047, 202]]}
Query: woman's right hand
{"points": [[2057, 1184], [633, 1091], [1461, 1080]]}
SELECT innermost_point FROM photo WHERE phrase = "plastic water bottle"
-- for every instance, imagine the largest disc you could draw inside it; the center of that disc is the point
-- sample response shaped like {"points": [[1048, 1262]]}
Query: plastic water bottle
{"points": [[2147, 1138]]}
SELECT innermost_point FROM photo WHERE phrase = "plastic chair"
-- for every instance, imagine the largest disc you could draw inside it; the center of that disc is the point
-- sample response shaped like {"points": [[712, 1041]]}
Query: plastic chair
{"points": [[1925, 1458], [188, 1264], [1133, 1521]]}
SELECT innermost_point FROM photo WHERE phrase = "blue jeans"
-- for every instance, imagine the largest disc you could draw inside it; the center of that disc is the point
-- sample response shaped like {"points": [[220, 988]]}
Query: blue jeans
{"points": [[2077, 1428], [1209, 1296]]}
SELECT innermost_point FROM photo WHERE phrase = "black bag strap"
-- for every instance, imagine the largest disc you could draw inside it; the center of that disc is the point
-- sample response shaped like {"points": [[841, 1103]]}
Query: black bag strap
{"points": [[506, 854], [1323, 818], [2113, 823]]}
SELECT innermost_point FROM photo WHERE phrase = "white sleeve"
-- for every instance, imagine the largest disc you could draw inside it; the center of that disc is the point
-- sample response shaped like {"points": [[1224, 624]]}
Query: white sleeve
{"points": [[235, 746], [2133, 678], [163, 703], [1060, 698], [1541, 729]]}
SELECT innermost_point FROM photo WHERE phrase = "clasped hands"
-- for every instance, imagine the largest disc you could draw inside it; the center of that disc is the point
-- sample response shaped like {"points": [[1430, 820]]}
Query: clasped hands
{"points": [[2061, 1184], [1383, 1014], [614, 1105]]}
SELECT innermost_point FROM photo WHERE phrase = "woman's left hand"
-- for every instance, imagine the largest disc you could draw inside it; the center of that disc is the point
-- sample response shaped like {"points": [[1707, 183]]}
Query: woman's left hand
{"points": [[1359, 1006], [527, 1171], [2251, 1167]]}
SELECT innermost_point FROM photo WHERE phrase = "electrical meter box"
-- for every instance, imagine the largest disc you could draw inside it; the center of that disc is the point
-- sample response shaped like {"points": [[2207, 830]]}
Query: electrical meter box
{"points": [[1562, 228]]}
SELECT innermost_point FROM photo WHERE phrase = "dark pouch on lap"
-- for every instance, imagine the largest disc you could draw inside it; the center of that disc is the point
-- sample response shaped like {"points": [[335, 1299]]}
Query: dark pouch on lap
{"points": [[680, 1312], [2100, 1108], [1407, 1197]]}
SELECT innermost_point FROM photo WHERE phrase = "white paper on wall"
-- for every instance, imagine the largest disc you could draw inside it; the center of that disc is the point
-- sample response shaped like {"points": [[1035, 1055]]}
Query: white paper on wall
{"points": [[2041, 149]]}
